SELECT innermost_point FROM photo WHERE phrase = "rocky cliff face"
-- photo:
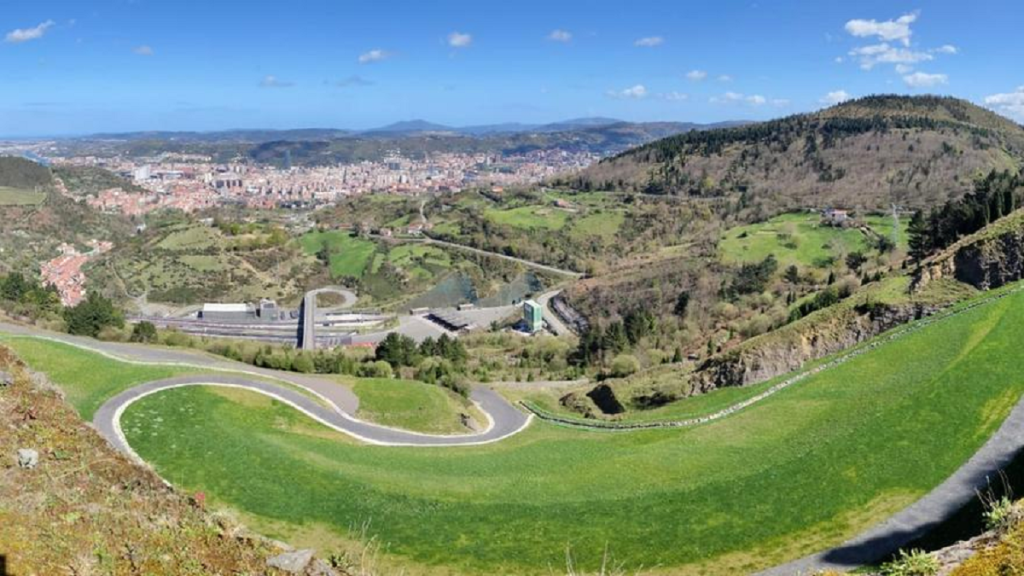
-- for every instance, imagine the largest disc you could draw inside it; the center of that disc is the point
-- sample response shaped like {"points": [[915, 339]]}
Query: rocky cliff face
{"points": [[789, 349], [993, 262], [987, 261]]}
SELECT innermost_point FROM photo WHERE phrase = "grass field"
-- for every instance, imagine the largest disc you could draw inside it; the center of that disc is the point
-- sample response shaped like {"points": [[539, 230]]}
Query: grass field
{"points": [[793, 239], [604, 224], [349, 255], [530, 217], [411, 405], [20, 197], [805, 469]]}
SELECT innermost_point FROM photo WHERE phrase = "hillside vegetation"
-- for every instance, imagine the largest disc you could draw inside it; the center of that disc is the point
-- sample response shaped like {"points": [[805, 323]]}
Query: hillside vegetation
{"points": [[30, 231], [864, 154]]}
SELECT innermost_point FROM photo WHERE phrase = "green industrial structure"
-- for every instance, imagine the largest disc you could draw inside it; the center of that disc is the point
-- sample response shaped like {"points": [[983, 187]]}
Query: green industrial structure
{"points": [[533, 314]]}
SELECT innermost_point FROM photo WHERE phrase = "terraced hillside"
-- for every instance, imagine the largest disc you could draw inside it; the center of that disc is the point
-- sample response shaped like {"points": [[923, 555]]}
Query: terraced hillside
{"points": [[183, 261]]}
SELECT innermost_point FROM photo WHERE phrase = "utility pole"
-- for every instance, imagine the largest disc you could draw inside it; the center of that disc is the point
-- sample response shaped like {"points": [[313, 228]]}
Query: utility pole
{"points": [[895, 225]]}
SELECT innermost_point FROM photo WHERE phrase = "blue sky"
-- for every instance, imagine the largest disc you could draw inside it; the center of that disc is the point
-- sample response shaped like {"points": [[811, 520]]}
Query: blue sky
{"points": [[77, 66]]}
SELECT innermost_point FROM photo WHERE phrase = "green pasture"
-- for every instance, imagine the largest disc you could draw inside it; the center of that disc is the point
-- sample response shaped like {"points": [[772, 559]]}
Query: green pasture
{"points": [[794, 239], [349, 254]]}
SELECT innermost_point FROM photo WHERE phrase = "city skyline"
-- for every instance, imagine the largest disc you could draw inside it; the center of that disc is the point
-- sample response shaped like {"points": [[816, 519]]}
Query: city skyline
{"points": [[118, 65]]}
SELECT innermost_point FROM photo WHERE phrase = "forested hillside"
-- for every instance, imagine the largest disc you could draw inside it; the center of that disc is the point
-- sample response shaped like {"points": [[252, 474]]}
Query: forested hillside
{"points": [[865, 154]]}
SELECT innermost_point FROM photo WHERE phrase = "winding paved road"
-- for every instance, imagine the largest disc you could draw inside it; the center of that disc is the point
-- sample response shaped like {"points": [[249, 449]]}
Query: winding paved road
{"points": [[336, 410], [339, 403]]}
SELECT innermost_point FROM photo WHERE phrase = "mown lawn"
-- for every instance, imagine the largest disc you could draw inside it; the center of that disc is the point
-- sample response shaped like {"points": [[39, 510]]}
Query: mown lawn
{"points": [[410, 405], [349, 254], [805, 469]]}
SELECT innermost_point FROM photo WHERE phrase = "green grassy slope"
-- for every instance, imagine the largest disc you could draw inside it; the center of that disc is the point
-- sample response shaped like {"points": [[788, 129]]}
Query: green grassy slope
{"points": [[86, 378], [411, 405], [802, 470], [349, 255]]}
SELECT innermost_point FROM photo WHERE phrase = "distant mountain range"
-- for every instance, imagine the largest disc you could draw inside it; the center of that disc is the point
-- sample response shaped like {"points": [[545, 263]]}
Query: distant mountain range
{"points": [[403, 128], [320, 146]]}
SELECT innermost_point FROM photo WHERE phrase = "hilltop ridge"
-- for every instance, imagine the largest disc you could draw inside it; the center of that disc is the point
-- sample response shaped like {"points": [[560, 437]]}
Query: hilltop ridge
{"points": [[913, 151]]}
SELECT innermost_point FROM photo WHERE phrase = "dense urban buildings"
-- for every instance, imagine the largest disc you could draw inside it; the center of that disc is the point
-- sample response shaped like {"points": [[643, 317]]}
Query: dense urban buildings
{"points": [[193, 182]]}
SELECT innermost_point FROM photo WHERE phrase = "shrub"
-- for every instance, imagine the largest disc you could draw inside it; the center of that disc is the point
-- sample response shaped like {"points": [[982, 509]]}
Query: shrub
{"points": [[624, 365], [144, 332], [303, 363], [914, 563], [375, 369], [999, 514]]}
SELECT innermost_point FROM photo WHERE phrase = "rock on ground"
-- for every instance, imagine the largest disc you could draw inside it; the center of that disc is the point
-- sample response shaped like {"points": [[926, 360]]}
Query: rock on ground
{"points": [[292, 562], [28, 458]]}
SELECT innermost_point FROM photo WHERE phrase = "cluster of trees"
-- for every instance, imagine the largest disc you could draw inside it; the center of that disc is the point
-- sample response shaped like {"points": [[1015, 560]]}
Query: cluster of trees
{"points": [[754, 278], [597, 345], [92, 316], [994, 196], [441, 361], [28, 297]]}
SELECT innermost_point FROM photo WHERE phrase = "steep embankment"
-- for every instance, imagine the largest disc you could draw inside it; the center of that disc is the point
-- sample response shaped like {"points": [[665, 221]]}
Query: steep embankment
{"points": [[986, 260], [864, 154], [69, 504]]}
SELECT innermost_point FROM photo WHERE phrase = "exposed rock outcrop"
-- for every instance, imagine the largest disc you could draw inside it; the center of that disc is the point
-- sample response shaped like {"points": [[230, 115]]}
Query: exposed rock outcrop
{"points": [[992, 258], [791, 347]]}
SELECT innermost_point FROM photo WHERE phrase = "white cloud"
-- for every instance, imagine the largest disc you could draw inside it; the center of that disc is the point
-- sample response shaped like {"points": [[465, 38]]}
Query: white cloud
{"points": [[924, 80], [725, 78], [884, 53], [675, 96], [836, 97], [271, 81], [634, 93], [375, 55], [19, 35], [897, 30], [696, 75], [947, 49], [143, 50], [749, 100], [649, 42], [1009, 104], [560, 35], [460, 40], [904, 68]]}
